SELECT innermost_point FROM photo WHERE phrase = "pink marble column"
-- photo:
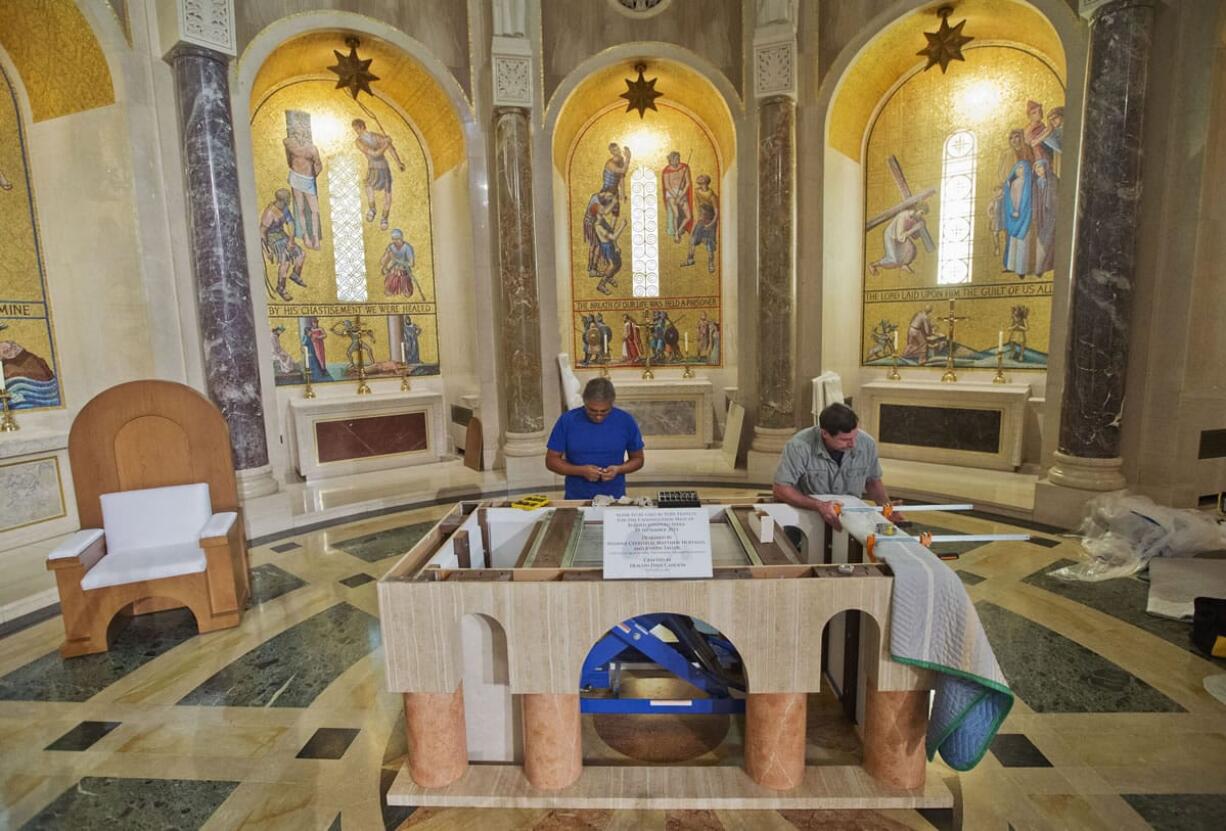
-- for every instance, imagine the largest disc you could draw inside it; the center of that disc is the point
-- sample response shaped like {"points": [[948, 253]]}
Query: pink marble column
{"points": [[775, 739], [553, 740], [895, 724], [438, 740]]}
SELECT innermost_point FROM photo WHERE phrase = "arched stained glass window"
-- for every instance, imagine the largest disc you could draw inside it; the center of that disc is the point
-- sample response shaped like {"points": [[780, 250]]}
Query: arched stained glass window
{"points": [[644, 233], [348, 246], [957, 209]]}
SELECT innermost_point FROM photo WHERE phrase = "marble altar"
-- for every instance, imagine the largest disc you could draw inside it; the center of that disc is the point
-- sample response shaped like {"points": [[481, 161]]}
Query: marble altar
{"points": [[975, 425], [340, 435]]}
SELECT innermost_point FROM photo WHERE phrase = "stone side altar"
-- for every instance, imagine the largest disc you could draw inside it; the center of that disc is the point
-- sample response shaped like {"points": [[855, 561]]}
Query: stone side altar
{"points": [[672, 412], [340, 435], [977, 425]]}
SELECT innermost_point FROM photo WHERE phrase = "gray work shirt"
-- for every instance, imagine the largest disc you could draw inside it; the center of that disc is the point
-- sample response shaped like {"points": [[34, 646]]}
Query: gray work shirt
{"points": [[807, 465]]}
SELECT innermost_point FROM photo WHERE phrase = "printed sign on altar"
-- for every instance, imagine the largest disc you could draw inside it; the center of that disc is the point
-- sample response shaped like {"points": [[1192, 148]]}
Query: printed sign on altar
{"points": [[652, 544]]}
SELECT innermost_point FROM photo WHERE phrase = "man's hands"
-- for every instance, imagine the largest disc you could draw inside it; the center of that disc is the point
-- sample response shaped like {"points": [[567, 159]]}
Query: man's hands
{"points": [[596, 473], [826, 509]]}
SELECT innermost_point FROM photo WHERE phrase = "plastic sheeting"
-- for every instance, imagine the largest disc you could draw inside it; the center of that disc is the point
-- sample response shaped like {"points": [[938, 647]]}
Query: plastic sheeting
{"points": [[1122, 532]]}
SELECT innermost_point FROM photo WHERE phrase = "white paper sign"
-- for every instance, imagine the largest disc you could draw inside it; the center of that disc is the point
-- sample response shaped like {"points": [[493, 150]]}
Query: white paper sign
{"points": [[653, 544]]}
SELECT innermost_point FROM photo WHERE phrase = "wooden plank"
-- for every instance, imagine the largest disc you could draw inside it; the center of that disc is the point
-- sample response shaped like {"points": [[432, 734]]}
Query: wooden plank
{"points": [[462, 553], [670, 788], [768, 554]]}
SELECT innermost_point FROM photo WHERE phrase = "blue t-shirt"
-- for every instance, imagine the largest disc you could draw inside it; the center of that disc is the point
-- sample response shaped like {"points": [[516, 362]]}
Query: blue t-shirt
{"points": [[584, 442]]}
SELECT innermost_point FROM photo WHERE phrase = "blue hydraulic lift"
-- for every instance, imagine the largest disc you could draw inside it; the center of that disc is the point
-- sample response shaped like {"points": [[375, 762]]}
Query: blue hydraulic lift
{"points": [[700, 656]]}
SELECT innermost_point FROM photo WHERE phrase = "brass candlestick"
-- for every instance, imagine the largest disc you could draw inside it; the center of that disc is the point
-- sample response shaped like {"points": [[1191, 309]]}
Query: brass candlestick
{"points": [[893, 375], [405, 384], [647, 373], [360, 333], [7, 423], [647, 324], [950, 377], [309, 392], [999, 377], [689, 370]]}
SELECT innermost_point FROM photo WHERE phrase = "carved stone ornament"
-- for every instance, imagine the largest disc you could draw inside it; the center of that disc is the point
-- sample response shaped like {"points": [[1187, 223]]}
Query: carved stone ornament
{"points": [[208, 23], [774, 69], [512, 81]]}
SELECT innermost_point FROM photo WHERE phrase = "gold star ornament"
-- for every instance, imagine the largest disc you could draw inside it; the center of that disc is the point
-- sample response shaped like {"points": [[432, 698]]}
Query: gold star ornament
{"points": [[945, 44], [641, 94], [352, 72]]}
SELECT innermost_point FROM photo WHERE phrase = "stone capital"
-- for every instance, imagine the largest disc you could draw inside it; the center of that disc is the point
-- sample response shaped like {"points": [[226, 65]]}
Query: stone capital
{"points": [[203, 23], [511, 58], [774, 63]]}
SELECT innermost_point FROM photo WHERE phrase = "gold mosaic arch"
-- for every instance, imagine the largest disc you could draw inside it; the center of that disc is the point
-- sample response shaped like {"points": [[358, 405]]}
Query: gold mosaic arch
{"points": [[61, 63], [890, 56], [679, 84], [402, 79]]}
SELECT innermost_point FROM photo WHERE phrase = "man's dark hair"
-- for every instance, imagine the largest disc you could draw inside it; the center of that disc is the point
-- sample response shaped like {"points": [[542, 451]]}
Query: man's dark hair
{"points": [[599, 389], [835, 419]]}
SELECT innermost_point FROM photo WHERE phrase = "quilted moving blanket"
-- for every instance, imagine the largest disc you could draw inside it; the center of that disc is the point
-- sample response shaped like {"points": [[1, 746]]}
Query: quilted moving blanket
{"points": [[934, 625]]}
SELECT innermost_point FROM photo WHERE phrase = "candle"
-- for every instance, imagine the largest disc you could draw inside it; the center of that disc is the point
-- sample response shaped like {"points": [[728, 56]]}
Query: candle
{"points": [[1000, 340], [1, 375], [606, 344], [687, 342], [895, 340], [404, 352], [306, 365]]}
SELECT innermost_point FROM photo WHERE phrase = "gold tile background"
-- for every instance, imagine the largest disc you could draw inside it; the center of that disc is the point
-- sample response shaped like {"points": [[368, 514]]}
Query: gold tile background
{"points": [[332, 111], [23, 294], [987, 95], [684, 292]]}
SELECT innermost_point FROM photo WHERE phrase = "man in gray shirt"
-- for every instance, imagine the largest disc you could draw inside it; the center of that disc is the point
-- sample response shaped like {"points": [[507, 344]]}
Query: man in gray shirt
{"points": [[835, 457]]}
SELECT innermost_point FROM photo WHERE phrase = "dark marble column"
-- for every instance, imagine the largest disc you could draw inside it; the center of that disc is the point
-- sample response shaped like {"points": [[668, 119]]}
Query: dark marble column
{"points": [[219, 258], [521, 313], [776, 269], [1105, 252]]}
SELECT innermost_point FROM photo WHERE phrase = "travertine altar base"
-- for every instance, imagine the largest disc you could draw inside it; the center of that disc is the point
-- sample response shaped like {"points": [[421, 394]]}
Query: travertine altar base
{"points": [[438, 748], [668, 788]]}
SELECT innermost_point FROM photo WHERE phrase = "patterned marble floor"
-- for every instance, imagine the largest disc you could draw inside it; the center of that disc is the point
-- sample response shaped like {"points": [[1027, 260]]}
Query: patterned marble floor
{"points": [[284, 723]]}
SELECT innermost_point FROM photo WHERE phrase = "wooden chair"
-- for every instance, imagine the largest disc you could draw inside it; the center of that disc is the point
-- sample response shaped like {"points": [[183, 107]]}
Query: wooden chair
{"points": [[155, 490]]}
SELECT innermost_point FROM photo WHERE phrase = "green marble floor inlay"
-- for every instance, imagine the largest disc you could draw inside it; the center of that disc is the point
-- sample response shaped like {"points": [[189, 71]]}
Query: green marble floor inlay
{"points": [[293, 668], [1180, 812], [135, 643], [383, 544], [1124, 599], [268, 582], [1053, 674], [133, 804]]}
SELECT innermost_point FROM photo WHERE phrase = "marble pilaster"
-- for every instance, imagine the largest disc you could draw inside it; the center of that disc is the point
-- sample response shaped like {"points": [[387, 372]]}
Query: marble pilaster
{"points": [[520, 305], [1105, 250], [219, 261], [776, 267]]}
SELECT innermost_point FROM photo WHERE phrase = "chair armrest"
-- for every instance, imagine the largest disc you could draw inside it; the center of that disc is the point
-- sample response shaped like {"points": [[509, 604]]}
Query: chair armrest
{"points": [[84, 548], [216, 530], [75, 545]]}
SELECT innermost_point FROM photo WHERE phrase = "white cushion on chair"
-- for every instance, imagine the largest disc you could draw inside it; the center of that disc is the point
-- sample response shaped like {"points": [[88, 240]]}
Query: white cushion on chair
{"points": [[155, 517], [136, 564]]}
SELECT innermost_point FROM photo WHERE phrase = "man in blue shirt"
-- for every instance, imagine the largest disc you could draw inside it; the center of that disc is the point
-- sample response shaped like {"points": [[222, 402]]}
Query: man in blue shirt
{"points": [[596, 445]]}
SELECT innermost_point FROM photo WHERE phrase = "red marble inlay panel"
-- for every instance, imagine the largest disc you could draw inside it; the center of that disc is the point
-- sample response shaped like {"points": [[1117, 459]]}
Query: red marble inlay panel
{"points": [[362, 438]]}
